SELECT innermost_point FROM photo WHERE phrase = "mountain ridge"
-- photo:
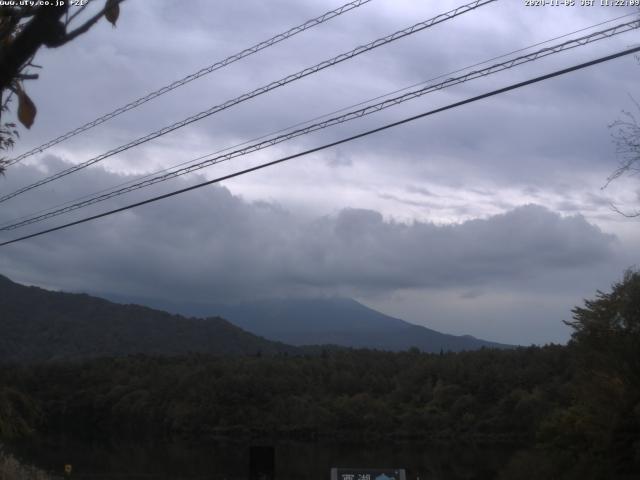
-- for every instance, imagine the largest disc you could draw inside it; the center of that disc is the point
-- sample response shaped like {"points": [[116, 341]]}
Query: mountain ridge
{"points": [[331, 320], [41, 325]]}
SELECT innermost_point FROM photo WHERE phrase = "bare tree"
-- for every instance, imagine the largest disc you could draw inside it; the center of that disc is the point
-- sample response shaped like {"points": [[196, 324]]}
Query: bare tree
{"points": [[626, 136], [23, 30]]}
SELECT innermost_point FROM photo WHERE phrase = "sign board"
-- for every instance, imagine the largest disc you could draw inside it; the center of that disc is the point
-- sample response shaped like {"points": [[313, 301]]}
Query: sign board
{"points": [[368, 474]]}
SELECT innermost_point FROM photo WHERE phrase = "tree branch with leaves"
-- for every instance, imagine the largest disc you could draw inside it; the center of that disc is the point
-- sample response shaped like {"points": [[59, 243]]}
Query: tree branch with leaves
{"points": [[23, 31]]}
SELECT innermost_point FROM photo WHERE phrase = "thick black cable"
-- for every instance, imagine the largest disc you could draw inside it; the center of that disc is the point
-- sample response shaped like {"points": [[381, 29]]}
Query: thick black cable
{"points": [[258, 91], [54, 210], [332, 144], [217, 157]]}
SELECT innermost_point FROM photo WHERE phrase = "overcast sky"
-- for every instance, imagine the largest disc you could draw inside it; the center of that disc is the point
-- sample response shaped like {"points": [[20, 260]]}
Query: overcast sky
{"points": [[488, 219]]}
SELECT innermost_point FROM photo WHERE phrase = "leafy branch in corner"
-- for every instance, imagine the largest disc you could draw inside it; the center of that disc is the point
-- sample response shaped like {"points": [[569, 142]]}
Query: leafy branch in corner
{"points": [[23, 30]]}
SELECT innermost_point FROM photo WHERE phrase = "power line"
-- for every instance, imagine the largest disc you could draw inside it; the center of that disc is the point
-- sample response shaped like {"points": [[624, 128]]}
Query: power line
{"points": [[200, 73], [259, 91], [331, 122], [584, 40], [319, 117], [332, 144]]}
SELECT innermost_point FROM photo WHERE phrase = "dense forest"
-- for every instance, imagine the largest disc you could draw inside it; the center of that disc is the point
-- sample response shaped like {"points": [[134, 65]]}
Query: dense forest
{"points": [[581, 400], [366, 393]]}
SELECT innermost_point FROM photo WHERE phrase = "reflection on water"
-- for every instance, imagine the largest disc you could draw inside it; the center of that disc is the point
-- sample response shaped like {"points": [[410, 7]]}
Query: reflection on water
{"points": [[133, 460]]}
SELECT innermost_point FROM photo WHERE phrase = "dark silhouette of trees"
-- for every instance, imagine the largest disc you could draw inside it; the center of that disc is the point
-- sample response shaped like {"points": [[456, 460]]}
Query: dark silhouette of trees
{"points": [[607, 342]]}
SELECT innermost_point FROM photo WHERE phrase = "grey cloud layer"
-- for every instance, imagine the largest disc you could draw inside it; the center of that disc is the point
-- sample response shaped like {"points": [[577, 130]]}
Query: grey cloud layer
{"points": [[553, 130], [211, 244]]}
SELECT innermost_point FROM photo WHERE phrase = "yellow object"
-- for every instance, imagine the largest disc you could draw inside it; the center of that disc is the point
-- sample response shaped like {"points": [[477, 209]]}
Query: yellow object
{"points": [[68, 469]]}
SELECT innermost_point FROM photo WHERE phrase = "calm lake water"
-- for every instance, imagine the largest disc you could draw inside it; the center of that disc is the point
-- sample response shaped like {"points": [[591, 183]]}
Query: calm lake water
{"points": [[164, 460]]}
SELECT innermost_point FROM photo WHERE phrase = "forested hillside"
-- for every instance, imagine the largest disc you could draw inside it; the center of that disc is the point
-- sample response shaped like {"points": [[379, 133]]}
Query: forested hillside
{"points": [[39, 325]]}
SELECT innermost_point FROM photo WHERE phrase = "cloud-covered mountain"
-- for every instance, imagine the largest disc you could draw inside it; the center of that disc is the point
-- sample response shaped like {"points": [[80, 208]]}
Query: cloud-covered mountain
{"points": [[336, 321], [214, 246], [41, 325]]}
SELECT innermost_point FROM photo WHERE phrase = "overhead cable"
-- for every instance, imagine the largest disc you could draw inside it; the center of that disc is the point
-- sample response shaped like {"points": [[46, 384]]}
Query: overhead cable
{"points": [[318, 117], [189, 78], [259, 91], [332, 144], [492, 69]]}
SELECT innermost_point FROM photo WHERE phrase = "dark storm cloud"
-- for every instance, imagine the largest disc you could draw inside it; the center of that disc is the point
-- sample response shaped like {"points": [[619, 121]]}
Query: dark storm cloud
{"points": [[210, 244]]}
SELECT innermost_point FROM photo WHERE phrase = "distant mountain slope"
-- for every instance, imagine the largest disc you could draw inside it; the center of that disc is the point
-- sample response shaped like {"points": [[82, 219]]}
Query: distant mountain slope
{"points": [[337, 321], [40, 325], [340, 321]]}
